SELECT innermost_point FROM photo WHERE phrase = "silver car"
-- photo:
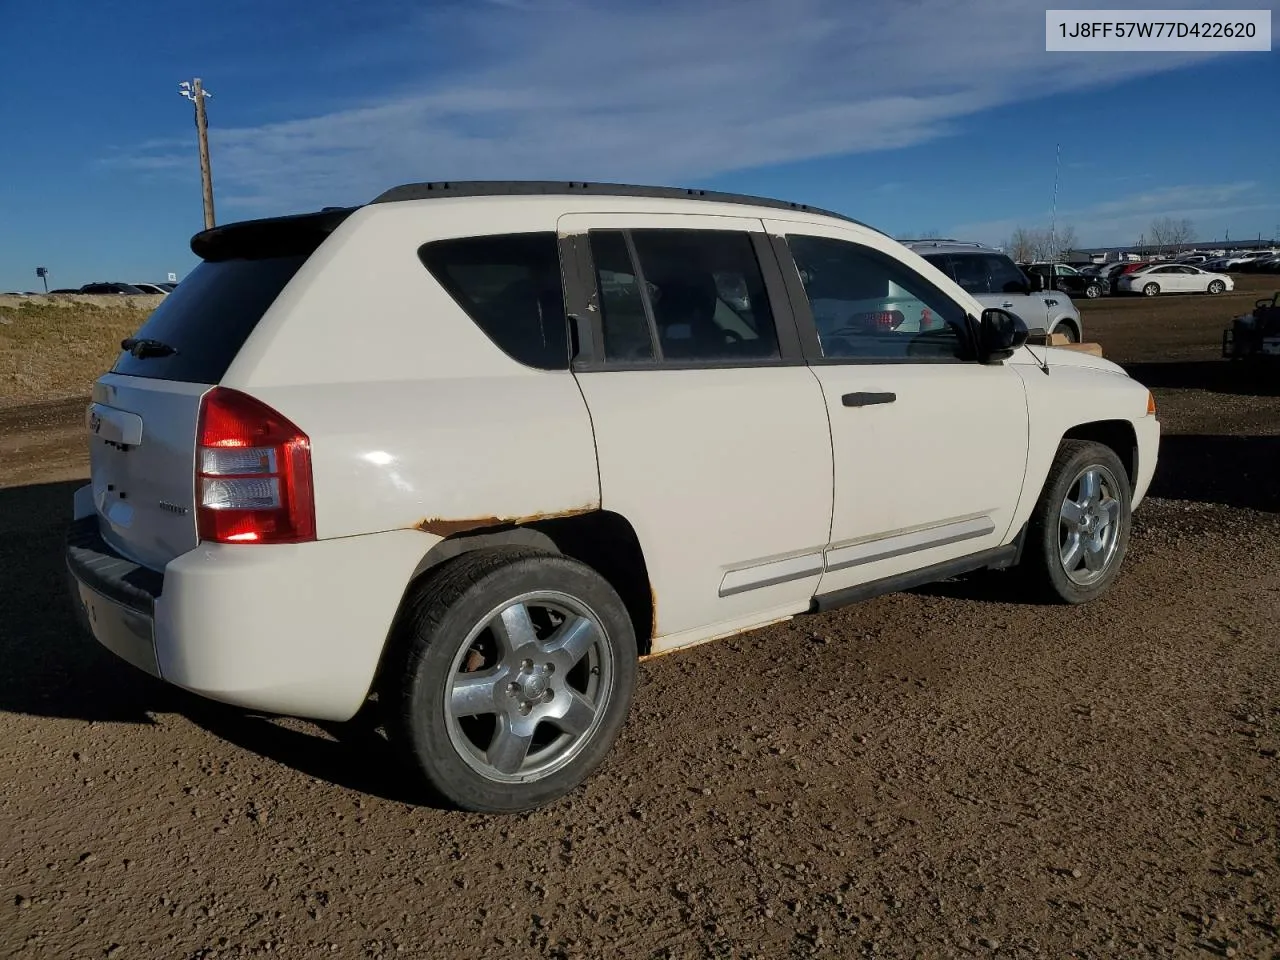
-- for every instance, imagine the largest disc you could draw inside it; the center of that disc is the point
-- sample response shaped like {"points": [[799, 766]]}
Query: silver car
{"points": [[996, 281]]}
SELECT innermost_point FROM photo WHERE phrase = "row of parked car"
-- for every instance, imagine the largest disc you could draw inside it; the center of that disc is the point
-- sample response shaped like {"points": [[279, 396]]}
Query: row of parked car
{"points": [[123, 289], [1257, 261], [1131, 277]]}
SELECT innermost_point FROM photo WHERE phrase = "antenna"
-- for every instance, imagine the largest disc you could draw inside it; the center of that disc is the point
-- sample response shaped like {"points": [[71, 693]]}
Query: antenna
{"points": [[1053, 209]]}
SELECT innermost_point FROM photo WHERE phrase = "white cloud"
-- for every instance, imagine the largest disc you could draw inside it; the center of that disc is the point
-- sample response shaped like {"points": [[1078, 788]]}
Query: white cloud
{"points": [[659, 92], [1126, 219]]}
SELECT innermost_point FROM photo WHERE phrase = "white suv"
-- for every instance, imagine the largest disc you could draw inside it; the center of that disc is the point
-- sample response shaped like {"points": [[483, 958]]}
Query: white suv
{"points": [[994, 280], [469, 450]]}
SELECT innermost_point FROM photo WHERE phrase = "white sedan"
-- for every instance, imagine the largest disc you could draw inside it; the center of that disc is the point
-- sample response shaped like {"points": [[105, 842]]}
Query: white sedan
{"points": [[1173, 278]]}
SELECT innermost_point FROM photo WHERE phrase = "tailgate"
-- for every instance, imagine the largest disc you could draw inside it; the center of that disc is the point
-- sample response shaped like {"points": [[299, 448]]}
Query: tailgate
{"points": [[142, 436], [144, 418]]}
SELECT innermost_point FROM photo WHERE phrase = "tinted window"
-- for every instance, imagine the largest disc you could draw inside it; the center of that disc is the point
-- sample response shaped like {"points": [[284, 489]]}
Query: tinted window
{"points": [[208, 318], [987, 273], [626, 326], [509, 284], [942, 262], [706, 295], [867, 305]]}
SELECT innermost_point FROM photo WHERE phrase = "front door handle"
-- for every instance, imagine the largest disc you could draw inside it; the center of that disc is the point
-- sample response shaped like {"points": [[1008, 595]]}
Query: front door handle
{"points": [[1007, 303], [867, 399]]}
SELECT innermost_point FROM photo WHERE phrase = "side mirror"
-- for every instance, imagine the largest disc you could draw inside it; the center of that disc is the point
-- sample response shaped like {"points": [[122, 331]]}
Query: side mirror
{"points": [[1000, 333], [1035, 282]]}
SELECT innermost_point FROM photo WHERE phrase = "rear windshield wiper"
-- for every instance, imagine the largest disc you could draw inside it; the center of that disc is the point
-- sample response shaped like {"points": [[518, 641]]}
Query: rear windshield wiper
{"points": [[142, 347]]}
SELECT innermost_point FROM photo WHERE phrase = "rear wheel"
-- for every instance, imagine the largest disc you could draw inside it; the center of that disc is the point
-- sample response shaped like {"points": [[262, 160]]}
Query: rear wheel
{"points": [[1151, 289], [513, 678], [1093, 291], [1068, 331], [1079, 530], [1216, 286]]}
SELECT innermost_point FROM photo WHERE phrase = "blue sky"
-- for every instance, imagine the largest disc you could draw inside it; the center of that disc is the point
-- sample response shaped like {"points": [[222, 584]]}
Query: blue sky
{"points": [[912, 115]]}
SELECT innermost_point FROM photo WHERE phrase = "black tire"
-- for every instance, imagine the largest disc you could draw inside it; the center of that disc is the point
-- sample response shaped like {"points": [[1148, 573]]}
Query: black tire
{"points": [[1151, 290], [427, 656], [1216, 286], [1043, 561], [1093, 291], [1068, 331]]}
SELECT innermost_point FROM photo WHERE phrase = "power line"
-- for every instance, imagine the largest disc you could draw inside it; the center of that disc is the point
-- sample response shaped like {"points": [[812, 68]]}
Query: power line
{"points": [[195, 92]]}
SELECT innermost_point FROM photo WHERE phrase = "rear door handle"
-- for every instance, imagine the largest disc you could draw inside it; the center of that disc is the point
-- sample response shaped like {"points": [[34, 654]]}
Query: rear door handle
{"points": [[867, 399]]}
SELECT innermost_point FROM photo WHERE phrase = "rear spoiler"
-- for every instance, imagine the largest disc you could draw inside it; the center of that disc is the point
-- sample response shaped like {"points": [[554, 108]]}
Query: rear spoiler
{"points": [[295, 235]]}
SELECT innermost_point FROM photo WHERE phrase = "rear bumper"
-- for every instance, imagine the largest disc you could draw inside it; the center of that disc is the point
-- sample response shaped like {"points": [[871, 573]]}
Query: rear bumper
{"points": [[294, 629], [113, 598]]}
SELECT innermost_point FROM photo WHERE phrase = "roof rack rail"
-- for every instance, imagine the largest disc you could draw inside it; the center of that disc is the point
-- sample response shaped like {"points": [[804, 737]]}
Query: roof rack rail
{"points": [[958, 243], [528, 188]]}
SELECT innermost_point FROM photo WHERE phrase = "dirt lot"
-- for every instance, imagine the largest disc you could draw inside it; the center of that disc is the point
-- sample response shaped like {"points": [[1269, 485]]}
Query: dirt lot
{"points": [[948, 772]]}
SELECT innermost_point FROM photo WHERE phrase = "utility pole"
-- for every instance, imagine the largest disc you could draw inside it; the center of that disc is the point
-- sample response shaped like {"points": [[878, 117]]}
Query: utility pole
{"points": [[195, 92]]}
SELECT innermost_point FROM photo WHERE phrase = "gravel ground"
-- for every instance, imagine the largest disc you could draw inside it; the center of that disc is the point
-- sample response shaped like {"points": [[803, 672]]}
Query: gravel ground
{"points": [[946, 772]]}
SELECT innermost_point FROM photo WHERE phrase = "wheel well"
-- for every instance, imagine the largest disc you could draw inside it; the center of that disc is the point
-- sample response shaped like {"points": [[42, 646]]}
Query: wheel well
{"points": [[1119, 435], [1069, 322], [603, 540]]}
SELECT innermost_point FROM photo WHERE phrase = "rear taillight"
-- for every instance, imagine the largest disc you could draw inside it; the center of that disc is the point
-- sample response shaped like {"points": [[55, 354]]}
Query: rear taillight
{"points": [[879, 319], [253, 473]]}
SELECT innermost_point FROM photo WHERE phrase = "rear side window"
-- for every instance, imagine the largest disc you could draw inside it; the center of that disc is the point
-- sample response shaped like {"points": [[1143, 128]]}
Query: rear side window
{"points": [[942, 262], [207, 319], [987, 273], [510, 286]]}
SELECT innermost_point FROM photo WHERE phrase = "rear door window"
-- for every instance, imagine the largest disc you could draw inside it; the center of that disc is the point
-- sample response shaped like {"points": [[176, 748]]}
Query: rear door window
{"points": [[702, 289], [207, 319], [510, 286]]}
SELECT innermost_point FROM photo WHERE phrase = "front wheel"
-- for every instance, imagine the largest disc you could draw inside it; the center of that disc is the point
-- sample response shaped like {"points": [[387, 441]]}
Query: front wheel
{"points": [[514, 676], [1216, 286], [1079, 530], [1151, 289]]}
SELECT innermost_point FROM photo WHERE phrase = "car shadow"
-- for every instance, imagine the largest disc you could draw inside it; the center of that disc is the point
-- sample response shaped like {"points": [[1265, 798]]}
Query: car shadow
{"points": [[53, 668], [1261, 379], [1231, 471]]}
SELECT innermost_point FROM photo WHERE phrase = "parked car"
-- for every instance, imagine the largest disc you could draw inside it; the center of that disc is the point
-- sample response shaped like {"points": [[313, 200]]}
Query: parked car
{"points": [[120, 288], [1110, 273], [1235, 261], [996, 281], [1256, 264], [1173, 278], [1061, 276], [528, 481]]}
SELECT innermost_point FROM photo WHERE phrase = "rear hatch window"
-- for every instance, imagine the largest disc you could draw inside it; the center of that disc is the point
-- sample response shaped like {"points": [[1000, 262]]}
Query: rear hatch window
{"points": [[196, 332], [207, 319]]}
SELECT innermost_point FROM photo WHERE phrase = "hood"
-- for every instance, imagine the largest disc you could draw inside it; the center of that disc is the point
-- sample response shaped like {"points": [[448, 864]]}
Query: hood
{"points": [[1062, 357]]}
